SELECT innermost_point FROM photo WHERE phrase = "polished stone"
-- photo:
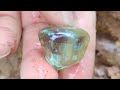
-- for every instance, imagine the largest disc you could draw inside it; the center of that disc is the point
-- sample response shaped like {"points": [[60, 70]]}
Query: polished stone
{"points": [[63, 46]]}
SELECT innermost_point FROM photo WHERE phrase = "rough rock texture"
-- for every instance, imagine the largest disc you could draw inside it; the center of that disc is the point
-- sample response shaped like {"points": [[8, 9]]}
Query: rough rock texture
{"points": [[108, 45], [107, 50], [109, 23]]}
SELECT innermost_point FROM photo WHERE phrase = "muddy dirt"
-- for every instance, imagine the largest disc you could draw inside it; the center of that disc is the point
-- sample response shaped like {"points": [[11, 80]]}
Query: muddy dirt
{"points": [[107, 63]]}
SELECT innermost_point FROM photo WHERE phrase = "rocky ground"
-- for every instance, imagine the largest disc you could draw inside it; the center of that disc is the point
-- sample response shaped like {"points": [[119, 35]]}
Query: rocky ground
{"points": [[10, 66], [108, 45], [107, 64]]}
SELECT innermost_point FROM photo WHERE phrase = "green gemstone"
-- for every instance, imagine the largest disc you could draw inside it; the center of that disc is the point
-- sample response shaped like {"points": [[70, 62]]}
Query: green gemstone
{"points": [[63, 46]]}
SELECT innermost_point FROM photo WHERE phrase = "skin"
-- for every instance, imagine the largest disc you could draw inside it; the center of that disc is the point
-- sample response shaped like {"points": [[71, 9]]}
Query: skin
{"points": [[33, 65]]}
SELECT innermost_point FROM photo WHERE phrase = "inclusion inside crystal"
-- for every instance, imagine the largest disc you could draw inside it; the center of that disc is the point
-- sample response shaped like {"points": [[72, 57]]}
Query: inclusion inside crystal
{"points": [[63, 46]]}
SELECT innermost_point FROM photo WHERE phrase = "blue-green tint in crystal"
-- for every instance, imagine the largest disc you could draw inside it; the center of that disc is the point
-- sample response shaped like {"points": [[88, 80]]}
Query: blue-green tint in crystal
{"points": [[63, 46]]}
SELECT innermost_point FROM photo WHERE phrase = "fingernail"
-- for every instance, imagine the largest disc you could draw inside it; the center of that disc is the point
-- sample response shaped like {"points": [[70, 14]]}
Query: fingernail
{"points": [[4, 50]]}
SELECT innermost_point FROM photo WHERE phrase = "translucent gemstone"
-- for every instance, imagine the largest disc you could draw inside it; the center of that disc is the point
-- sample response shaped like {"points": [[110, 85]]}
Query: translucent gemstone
{"points": [[63, 46]]}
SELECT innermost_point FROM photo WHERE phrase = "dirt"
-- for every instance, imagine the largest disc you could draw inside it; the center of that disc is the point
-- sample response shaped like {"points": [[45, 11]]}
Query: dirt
{"points": [[107, 63], [10, 66], [108, 45]]}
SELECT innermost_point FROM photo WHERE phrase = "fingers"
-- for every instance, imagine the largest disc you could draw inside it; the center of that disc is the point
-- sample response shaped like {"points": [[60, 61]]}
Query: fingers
{"points": [[10, 32], [85, 20], [33, 58], [58, 17], [34, 66], [83, 70]]}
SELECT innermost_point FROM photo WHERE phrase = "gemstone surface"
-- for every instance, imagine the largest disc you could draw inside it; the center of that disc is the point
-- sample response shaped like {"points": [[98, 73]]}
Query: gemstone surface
{"points": [[63, 46]]}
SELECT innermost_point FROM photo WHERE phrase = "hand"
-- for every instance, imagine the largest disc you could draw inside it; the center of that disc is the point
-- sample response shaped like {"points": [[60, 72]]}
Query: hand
{"points": [[10, 32], [34, 65]]}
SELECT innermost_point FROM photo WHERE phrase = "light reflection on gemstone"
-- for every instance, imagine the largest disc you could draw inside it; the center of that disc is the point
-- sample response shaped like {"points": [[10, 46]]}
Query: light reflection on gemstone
{"points": [[63, 46]]}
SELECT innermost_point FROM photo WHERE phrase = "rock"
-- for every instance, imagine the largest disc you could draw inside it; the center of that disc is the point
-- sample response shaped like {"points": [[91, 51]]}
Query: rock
{"points": [[100, 71], [63, 46], [108, 37], [109, 23], [107, 45], [114, 72], [108, 52], [9, 66]]}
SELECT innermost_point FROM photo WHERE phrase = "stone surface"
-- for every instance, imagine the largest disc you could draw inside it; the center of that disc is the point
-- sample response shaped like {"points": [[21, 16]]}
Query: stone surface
{"points": [[108, 37], [108, 44], [63, 46], [109, 23], [10, 66], [108, 52], [113, 72]]}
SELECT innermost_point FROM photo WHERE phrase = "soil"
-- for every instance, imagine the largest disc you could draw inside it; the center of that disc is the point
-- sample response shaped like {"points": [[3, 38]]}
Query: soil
{"points": [[107, 63], [10, 66], [108, 45]]}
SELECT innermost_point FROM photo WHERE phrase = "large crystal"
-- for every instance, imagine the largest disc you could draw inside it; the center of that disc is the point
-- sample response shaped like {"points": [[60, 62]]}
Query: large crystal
{"points": [[63, 46]]}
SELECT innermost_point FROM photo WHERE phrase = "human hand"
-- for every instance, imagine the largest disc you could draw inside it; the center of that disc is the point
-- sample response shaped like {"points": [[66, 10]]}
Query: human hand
{"points": [[10, 32], [34, 65]]}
